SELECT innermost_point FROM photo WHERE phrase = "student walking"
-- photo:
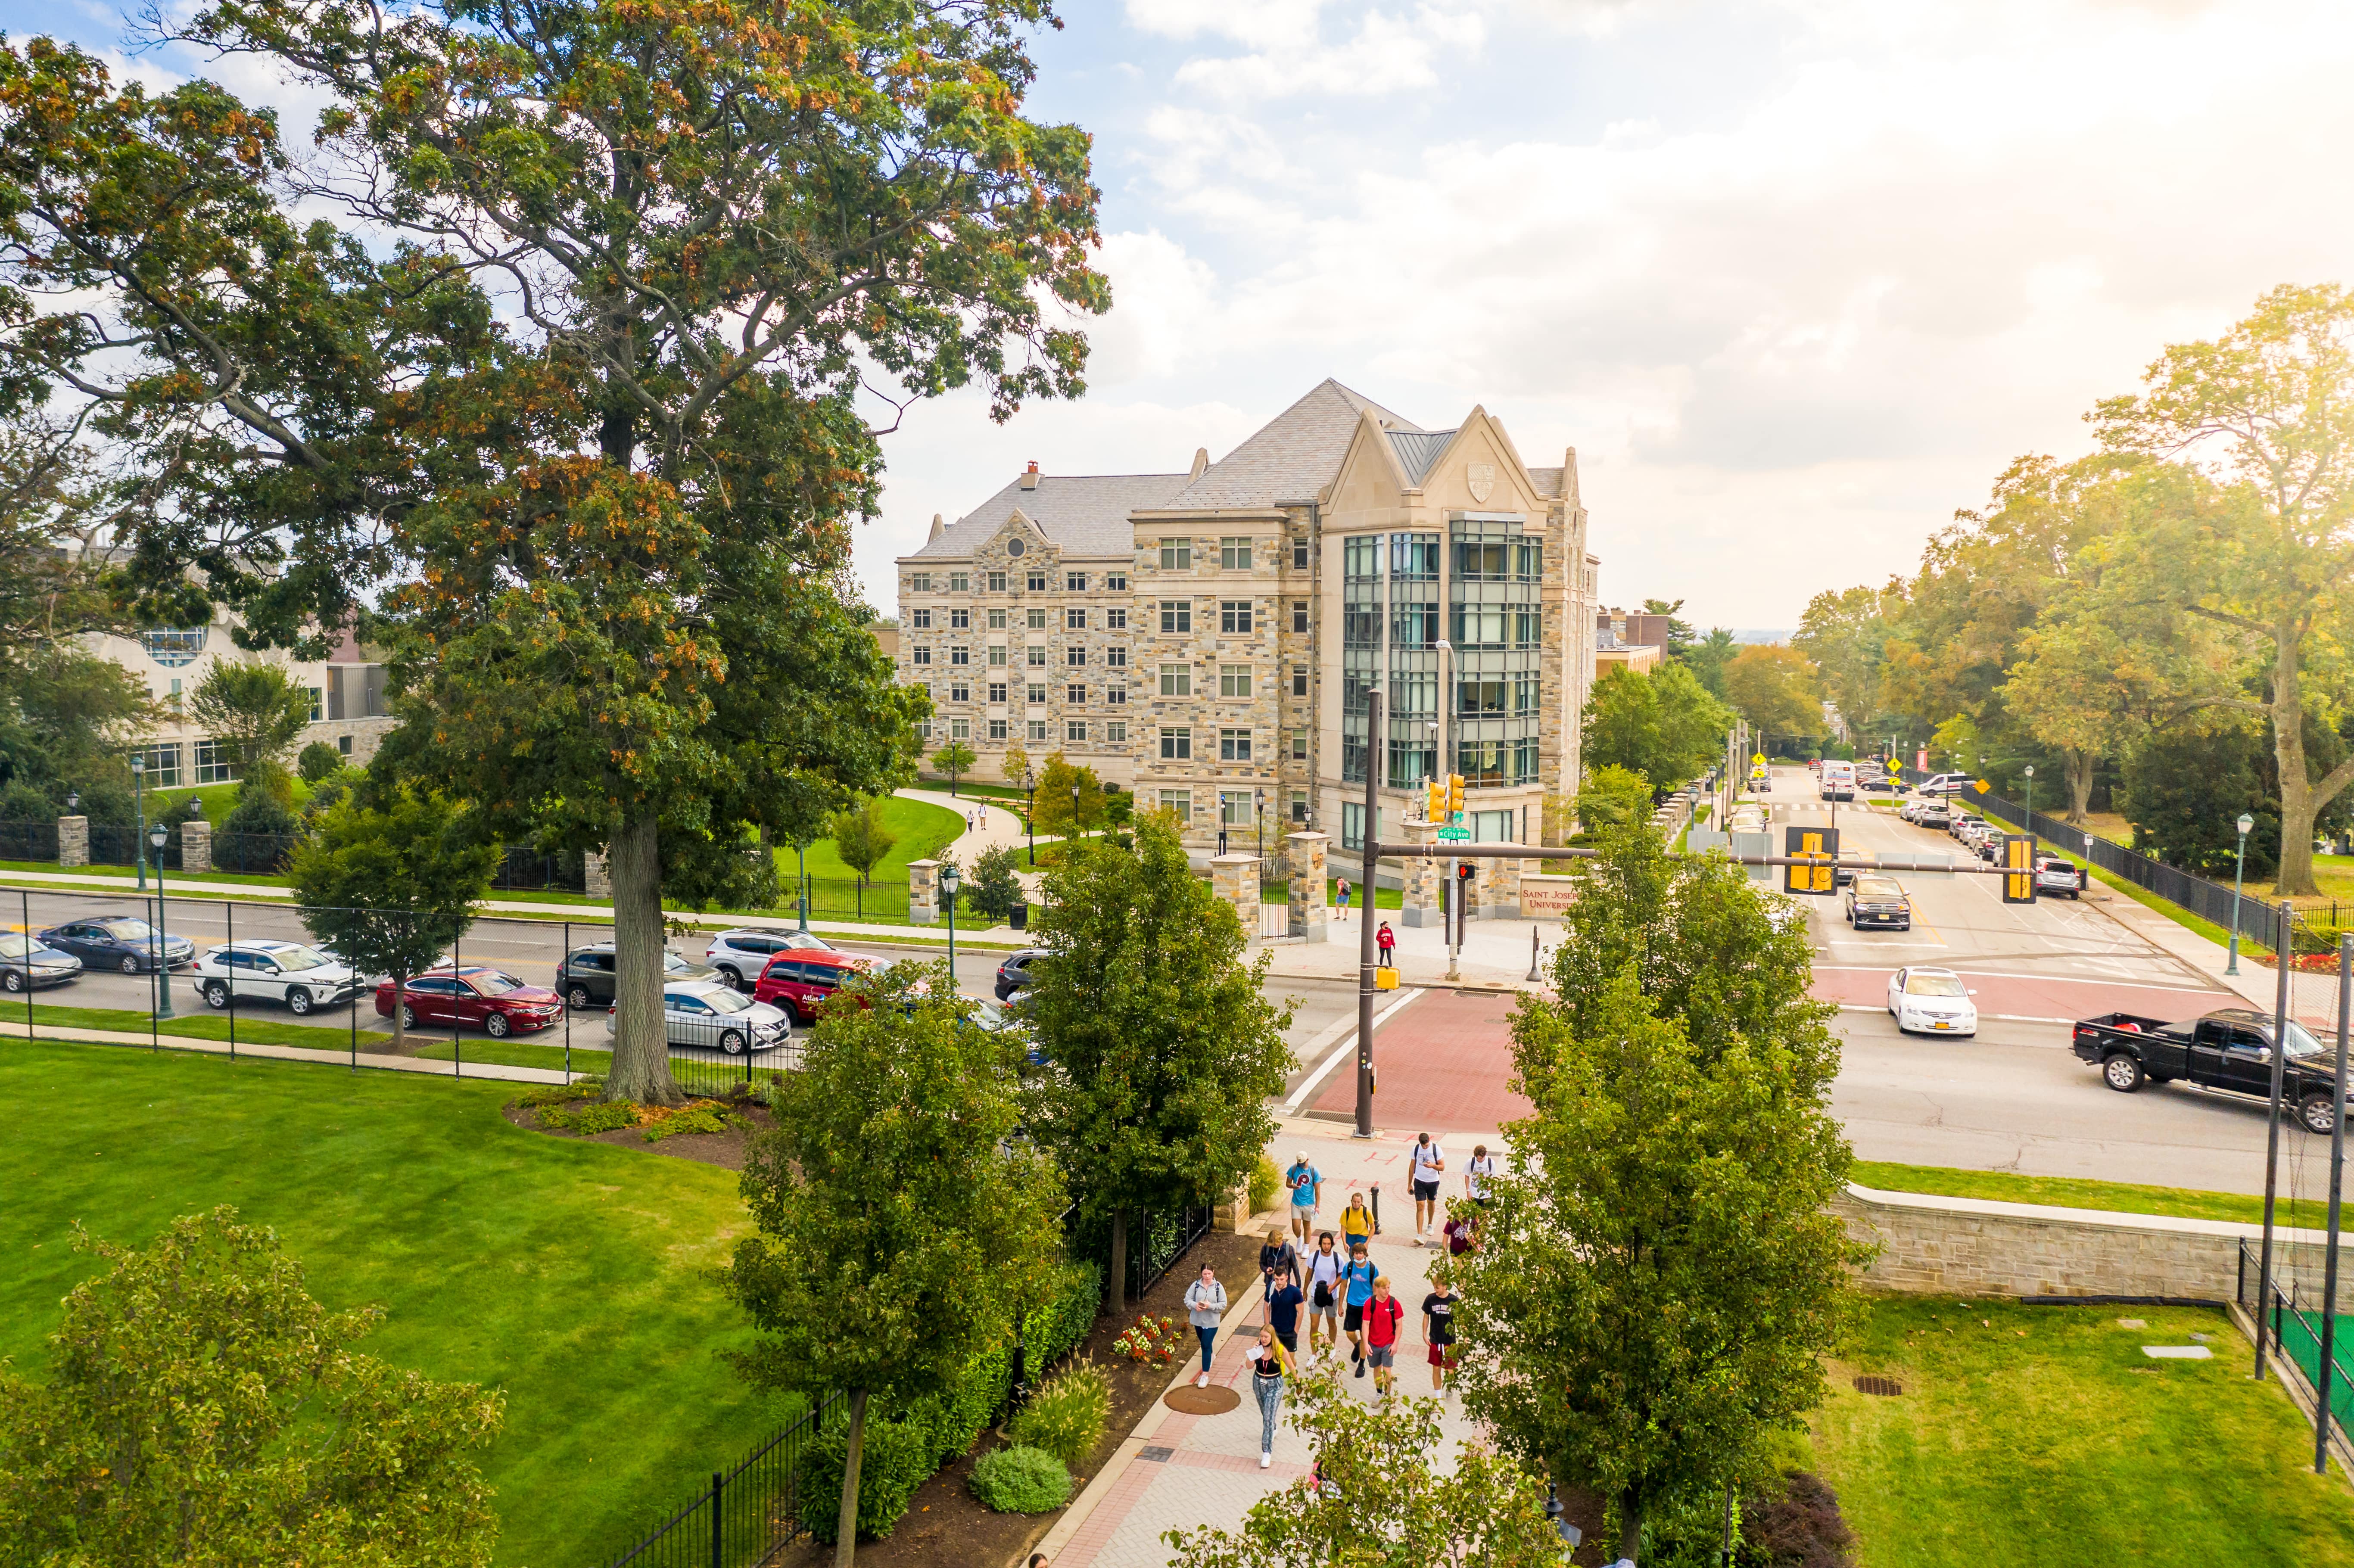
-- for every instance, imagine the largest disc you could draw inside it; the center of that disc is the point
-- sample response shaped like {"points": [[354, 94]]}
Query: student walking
{"points": [[1439, 1329], [1387, 939], [1357, 1287], [1483, 1166], [1426, 1164], [1283, 1311], [1356, 1222], [1269, 1362], [1275, 1255], [1307, 1184], [1383, 1314], [1324, 1265], [1342, 893], [1205, 1307]]}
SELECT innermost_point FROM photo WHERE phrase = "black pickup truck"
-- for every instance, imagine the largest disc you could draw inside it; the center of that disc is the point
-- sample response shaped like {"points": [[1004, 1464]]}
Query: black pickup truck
{"points": [[2230, 1050]]}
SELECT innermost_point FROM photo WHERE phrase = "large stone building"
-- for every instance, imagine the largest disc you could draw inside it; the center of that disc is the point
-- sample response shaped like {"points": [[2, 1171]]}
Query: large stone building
{"points": [[1208, 637]]}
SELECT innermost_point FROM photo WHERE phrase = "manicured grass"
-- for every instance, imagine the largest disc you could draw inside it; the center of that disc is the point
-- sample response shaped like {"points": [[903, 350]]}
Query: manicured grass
{"points": [[196, 1022], [573, 1276], [2045, 1435], [2073, 1192], [924, 831]]}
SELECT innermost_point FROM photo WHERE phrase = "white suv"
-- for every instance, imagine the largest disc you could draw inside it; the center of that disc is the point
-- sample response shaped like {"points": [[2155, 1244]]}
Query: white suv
{"points": [[742, 956], [303, 978]]}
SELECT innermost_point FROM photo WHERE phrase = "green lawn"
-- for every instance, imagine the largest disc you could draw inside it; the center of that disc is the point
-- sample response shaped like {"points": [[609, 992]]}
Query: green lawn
{"points": [[2042, 1435], [573, 1276], [924, 831], [193, 1022], [2073, 1192]]}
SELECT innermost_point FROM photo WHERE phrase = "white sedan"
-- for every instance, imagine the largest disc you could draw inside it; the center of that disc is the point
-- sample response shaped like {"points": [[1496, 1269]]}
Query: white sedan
{"points": [[1932, 1001]]}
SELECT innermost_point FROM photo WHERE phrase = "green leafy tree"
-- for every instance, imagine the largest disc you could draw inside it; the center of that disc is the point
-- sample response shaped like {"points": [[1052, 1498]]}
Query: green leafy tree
{"points": [[1663, 724], [1169, 1049], [902, 1219], [1657, 1283], [955, 760], [390, 884], [1015, 763], [995, 889], [318, 760], [1845, 636], [862, 839], [203, 1408], [253, 705], [1062, 812], [1383, 1500], [1707, 658], [1773, 687], [1680, 636], [1611, 798]]}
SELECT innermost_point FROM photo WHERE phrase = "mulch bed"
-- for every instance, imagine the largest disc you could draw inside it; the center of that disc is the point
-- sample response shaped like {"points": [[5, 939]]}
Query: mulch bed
{"points": [[722, 1149]]}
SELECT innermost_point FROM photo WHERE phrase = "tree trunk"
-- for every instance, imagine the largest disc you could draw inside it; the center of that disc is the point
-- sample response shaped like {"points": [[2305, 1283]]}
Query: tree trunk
{"points": [[641, 1046], [846, 1543], [1119, 1259], [2297, 804], [2080, 784], [1630, 1526]]}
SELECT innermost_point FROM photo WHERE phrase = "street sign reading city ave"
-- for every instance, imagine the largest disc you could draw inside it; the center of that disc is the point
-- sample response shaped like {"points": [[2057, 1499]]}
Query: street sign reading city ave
{"points": [[1454, 835]]}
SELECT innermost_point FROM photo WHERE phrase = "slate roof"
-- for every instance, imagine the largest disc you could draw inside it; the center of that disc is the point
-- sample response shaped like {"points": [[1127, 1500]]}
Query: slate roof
{"points": [[1085, 513], [1417, 449], [1292, 456]]}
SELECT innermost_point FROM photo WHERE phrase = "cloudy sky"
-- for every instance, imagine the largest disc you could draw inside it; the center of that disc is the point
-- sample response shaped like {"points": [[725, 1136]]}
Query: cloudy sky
{"points": [[1795, 279]]}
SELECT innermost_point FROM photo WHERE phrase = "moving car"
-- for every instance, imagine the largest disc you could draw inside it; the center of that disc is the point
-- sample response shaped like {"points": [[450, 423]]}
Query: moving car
{"points": [[587, 977], [29, 964], [1838, 780], [1933, 1002], [741, 955], [1014, 972], [124, 942], [2230, 1049], [301, 977], [799, 981], [1874, 899], [713, 1015], [487, 998], [2059, 876]]}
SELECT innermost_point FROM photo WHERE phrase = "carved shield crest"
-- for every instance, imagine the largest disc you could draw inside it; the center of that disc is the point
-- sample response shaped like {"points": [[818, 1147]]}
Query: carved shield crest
{"points": [[1481, 477]]}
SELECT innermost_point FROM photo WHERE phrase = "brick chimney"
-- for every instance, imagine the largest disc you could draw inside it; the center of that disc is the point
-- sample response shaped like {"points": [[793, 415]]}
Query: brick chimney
{"points": [[1030, 476]]}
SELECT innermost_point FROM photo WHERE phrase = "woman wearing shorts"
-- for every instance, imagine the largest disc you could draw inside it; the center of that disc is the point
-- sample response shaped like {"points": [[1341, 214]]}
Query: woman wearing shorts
{"points": [[1425, 1165], [1324, 1290], [1356, 1223], [1343, 891], [1357, 1287]]}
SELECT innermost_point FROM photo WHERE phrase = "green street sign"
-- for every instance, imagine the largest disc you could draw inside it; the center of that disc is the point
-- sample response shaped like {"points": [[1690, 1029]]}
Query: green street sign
{"points": [[1455, 835]]}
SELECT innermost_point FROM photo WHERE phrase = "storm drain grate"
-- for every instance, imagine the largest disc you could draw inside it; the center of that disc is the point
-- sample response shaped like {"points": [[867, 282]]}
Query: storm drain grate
{"points": [[1886, 1387], [1156, 1456]]}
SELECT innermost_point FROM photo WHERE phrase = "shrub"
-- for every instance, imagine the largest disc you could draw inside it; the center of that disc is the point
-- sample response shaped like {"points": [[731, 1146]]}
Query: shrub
{"points": [[318, 760], [1797, 1525], [994, 889], [1020, 1480], [602, 1117], [1066, 1417], [325, 792], [259, 810], [21, 802], [1266, 1181], [891, 1466], [1059, 1326]]}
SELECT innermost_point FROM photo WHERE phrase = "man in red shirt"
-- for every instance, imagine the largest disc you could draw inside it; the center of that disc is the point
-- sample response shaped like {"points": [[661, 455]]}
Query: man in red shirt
{"points": [[1383, 1314]]}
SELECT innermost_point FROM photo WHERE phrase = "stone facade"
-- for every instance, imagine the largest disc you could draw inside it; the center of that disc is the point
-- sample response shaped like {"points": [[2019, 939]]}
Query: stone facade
{"points": [[1419, 902], [1306, 861], [73, 841], [596, 877]]}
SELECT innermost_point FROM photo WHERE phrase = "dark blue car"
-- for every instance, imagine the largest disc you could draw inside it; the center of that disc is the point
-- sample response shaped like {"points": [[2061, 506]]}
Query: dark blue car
{"points": [[122, 942], [27, 965]]}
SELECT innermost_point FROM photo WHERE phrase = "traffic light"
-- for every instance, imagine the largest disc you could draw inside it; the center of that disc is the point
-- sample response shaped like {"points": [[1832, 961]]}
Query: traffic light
{"points": [[1436, 811], [1818, 848], [2018, 868], [1454, 793]]}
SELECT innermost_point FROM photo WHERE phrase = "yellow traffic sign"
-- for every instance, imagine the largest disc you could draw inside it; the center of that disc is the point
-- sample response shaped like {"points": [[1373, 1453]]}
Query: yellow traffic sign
{"points": [[1982, 786], [1759, 759]]}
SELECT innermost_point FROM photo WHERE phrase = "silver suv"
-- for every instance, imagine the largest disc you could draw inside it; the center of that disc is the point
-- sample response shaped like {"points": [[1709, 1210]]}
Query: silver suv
{"points": [[741, 955], [709, 1015]]}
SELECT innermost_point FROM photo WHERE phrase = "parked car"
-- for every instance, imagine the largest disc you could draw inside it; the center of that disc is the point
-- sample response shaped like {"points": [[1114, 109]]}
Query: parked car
{"points": [[2230, 1050], [1937, 1002], [739, 955], [798, 981], [1873, 900], [486, 999], [301, 977], [26, 963], [1014, 971], [1934, 814], [1910, 810], [2055, 875], [122, 942], [587, 977], [714, 1015]]}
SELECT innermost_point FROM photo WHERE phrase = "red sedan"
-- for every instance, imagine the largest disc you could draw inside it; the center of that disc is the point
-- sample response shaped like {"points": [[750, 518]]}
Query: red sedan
{"points": [[496, 1004]]}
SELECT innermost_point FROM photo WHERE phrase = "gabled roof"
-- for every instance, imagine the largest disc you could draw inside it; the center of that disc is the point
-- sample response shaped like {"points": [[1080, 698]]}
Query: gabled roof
{"points": [[1084, 514], [1293, 455], [1417, 449]]}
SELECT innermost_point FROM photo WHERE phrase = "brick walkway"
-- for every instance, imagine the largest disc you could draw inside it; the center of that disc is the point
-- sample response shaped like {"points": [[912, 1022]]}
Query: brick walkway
{"points": [[1441, 1067]]}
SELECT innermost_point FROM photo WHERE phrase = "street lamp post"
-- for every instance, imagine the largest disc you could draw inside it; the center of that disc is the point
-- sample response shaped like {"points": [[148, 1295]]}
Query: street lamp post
{"points": [[949, 882], [156, 836], [800, 883], [2027, 773], [1259, 822], [139, 806], [2239, 872], [1030, 814]]}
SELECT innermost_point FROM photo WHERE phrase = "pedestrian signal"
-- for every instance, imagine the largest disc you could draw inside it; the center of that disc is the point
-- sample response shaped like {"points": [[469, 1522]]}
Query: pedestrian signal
{"points": [[1815, 854], [2018, 868]]}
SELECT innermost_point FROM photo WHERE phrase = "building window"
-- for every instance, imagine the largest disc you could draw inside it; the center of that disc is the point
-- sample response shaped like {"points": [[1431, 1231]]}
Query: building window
{"points": [[959, 582], [1300, 616], [1037, 581], [1116, 695], [1298, 745], [1116, 657], [216, 762], [1234, 617], [1038, 732], [1075, 582], [960, 692], [996, 691], [1413, 558], [997, 729], [162, 766], [1076, 695], [318, 700], [1116, 733], [1235, 808], [1299, 807], [1360, 557], [997, 620], [1478, 626], [1353, 825], [997, 653], [1180, 802], [1115, 620], [920, 582], [1115, 582], [1528, 628], [1035, 691], [1075, 620], [997, 582], [1176, 555], [1299, 681], [959, 621], [1176, 680], [959, 655], [1300, 555], [1234, 680], [1176, 615], [1037, 654], [1233, 746], [343, 744], [1176, 743], [921, 620], [960, 729], [1074, 729], [1037, 619], [1234, 555], [923, 655], [1074, 657]]}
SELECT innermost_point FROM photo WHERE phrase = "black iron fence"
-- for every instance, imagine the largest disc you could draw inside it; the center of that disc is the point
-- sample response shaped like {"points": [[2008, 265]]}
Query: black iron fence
{"points": [[747, 1513], [1157, 1241], [2292, 1324], [531, 871], [28, 841], [2210, 901]]}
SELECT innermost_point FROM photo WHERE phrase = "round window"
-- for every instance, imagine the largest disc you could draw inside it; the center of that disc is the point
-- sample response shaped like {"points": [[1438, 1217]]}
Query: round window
{"points": [[1015, 546]]}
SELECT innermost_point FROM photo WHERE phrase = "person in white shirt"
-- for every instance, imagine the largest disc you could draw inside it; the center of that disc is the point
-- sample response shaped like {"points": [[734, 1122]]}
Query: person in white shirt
{"points": [[1205, 1307], [1475, 1175], [1426, 1163], [1323, 1286]]}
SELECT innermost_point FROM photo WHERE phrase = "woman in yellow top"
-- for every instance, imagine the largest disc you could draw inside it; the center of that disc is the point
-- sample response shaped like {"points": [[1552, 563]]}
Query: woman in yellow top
{"points": [[1356, 1221]]}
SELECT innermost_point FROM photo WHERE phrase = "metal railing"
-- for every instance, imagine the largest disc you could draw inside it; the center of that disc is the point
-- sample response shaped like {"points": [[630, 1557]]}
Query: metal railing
{"points": [[2292, 1326], [28, 841], [747, 1515], [1157, 1241]]}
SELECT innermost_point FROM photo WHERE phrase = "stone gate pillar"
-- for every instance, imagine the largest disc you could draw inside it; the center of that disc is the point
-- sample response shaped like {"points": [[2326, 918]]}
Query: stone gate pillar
{"points": [[596, 881], [196, 847], [1419, 905], [73, 841], [924, 892], [1306, 852], [1234, 879]]}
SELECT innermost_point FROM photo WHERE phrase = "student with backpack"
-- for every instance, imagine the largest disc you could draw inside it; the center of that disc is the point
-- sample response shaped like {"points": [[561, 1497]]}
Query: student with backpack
{"points": [[1324, 1291], [1357, 1284], [1307, 1184]]}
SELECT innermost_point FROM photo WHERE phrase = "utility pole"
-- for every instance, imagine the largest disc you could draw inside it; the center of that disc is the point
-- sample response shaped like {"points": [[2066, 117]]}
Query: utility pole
{"points": [[1367, 956], [1447, 765]]}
